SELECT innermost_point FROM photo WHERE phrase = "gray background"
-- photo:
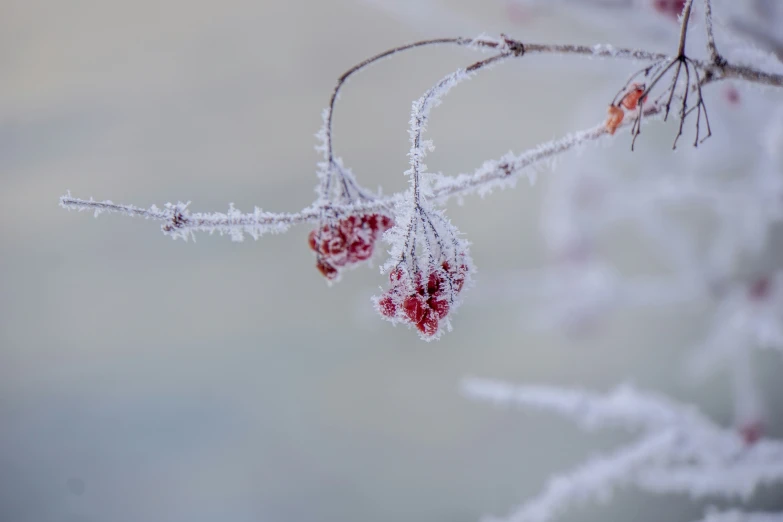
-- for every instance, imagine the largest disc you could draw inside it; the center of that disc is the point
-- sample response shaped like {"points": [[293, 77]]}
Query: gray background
{"points": [[145, 379]]}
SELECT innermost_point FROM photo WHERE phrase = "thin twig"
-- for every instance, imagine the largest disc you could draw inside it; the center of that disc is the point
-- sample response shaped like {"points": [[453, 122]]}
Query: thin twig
{"points": [[686, 16], [715, 56]]}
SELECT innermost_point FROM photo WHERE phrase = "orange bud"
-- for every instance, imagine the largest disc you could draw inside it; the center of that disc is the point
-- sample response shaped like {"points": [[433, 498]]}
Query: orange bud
{"points": [[615, 118], [631, 100]]}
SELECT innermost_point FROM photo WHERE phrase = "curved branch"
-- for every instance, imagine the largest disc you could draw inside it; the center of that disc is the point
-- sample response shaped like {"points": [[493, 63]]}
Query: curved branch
{"points": [[179, 222]]}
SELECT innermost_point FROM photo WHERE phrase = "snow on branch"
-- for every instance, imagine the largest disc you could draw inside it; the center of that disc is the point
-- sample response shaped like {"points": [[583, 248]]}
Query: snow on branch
{"points": [[678, 451], [181, 223]]}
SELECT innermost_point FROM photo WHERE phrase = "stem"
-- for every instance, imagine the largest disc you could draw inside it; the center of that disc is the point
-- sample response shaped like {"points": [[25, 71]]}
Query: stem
{"points": [[423, 107], [686, 15], [179, 221], [460, 41], [487, 43], [715, 56], [749, 74]]}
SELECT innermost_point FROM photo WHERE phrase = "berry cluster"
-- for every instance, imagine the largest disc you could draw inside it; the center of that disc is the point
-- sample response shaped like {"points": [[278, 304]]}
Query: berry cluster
{"points": [[423, 305], [349, 240]]}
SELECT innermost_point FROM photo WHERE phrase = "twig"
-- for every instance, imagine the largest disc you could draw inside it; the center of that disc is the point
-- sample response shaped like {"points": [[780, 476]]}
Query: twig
{"points": [[490, 174], [715, 56]]}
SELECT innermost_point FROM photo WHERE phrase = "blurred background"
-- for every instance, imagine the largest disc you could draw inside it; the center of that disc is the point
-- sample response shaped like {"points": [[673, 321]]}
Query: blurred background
{"points": [[148, 379]]}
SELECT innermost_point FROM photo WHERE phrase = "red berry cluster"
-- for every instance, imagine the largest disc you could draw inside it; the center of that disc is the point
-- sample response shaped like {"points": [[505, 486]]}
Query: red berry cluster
{"points": [[349, 240], [422, 305], [671, 8]]}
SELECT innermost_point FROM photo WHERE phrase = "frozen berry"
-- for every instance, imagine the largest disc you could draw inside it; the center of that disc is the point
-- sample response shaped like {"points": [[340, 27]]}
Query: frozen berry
{"points": [[415, 307], [439, 306], [428, 325], [387, 306], [326, 269]]}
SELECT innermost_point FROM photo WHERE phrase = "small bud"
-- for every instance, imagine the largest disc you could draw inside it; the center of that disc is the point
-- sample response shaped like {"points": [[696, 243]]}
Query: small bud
{"points": [[631, 100], [615, 118]]}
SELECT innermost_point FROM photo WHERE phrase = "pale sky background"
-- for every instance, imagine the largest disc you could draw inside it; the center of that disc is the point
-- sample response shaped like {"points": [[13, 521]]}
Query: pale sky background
{"points": [[215, 381]]}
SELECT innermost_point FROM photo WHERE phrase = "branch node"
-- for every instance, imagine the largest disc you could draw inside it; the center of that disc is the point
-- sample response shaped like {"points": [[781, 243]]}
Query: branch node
{"points": [[516, 47]]}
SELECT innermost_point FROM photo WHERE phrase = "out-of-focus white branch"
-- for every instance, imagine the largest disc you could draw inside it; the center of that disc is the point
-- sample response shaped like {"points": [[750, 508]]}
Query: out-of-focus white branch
{"points": [[594, 480], [734, 515], [624, 406], [679, 450]]}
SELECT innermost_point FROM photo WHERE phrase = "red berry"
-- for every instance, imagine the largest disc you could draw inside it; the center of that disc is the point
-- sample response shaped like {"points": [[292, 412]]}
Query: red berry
{"points": [[359, 250], [458, 282], [312, 240], [439, 306], [334, 244], [415, 307], [387, 306], [386, 223], [428, 324], [433, 283], [349, 227], [326, 269], [396, 275], [671, 8]]}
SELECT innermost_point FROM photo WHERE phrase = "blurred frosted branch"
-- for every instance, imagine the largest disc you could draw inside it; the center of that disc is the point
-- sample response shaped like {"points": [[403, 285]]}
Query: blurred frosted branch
{"points": [[713, 515], [623, 407], [678, 451]]}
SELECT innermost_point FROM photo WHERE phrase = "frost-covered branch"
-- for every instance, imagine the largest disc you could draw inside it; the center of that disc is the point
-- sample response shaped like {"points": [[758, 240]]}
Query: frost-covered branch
{"points": [[350, 219], [734, 515], [490, 175], [623, 407], [181, 223], [712, 49], [594, 480], [679, 450]]}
